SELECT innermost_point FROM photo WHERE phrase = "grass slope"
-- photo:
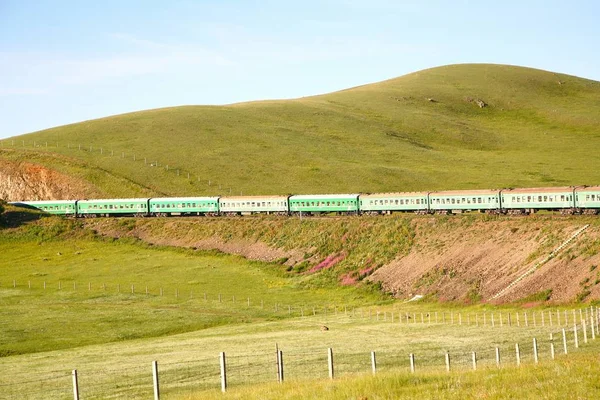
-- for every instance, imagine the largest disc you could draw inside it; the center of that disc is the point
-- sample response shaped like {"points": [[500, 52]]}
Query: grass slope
{"points": [[416, 132], [61, 287]]}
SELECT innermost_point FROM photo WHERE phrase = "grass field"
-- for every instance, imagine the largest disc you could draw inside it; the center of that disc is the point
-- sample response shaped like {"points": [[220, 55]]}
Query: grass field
{"points": [[96, 281], [417, 132], [93, 322], [189, 368]]}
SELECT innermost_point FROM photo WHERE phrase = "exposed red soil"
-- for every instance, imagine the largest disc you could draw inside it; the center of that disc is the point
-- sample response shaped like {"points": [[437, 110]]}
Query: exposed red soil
{"points": [[27, 181], [478, 261]]}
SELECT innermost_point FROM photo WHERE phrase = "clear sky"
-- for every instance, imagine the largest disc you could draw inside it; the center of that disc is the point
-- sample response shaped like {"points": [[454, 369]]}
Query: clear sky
{"points": [[69, 61]]}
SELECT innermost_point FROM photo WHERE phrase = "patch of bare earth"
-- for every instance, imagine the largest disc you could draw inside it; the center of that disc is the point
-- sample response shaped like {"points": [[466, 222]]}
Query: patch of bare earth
{"points": [[182, 233], [476, 262], [27, 181]]}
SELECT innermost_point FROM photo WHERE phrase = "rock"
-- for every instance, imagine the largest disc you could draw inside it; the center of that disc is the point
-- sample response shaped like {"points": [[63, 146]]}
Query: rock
{"points": [[480, 103], [431, 100], [324, 328]]}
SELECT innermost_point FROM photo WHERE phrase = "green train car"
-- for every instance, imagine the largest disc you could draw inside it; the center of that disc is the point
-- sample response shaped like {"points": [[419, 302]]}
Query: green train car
{"points": [[324, 203], [55, 207], [530, 200], [380, 203], [184, 206], [243, 205], [464, 200], [587, 199], [108, 207]]}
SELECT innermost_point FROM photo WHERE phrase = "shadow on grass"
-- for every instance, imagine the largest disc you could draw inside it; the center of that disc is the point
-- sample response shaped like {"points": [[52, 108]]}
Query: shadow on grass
{"points": [[14, 217]]}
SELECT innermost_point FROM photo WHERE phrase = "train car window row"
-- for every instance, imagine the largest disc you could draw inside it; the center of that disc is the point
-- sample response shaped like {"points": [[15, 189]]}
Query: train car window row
{"points": [[115, 207], [464, 200], [383, 202]]}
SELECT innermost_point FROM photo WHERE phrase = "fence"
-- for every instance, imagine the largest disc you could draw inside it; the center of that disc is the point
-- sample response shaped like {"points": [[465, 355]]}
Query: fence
{"points": [[200, 180], [534, 318], [232, 370]]}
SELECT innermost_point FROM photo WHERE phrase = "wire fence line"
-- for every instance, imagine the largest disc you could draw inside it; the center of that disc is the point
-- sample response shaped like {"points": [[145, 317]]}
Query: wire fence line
{"points": [[208, 184], [495, 319], [281, 364]]}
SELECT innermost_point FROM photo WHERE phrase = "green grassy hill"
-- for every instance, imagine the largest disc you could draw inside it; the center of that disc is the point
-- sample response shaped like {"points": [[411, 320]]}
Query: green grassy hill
{"points": [[422, 131]]}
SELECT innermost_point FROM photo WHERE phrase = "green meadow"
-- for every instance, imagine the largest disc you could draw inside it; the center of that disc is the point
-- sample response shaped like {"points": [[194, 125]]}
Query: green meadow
{"points": [[108, 308]]}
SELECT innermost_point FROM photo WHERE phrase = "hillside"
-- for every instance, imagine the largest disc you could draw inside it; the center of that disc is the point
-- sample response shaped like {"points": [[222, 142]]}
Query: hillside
{"points": [[422, 131], [467, 258]]}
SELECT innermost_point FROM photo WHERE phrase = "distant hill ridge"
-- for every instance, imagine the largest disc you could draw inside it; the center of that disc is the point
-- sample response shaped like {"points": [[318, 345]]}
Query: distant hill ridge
{"points": [[452, 127]]}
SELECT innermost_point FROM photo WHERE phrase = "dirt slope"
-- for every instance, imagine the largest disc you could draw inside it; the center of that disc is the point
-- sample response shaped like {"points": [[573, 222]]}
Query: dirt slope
{"points": [[27, 181], [477, 261]]}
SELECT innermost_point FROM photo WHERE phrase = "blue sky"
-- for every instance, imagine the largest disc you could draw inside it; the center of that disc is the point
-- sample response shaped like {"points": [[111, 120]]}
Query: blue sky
{"points": [[69, 61]]}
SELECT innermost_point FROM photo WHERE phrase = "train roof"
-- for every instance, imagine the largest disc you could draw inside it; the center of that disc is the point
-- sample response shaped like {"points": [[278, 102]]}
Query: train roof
{"points": [[112, 200], [588, 188], [323, 196], [183, 198], [393, 194], [43, 202], [561, 189], [246, 198], [474, 192]]}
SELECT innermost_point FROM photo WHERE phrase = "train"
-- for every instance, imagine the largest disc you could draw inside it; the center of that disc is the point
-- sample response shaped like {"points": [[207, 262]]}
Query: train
{"points": [[566, 200]]}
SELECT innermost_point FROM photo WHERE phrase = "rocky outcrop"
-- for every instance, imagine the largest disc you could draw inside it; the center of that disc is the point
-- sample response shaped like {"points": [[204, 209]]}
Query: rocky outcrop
{"points": [[27, 181]]}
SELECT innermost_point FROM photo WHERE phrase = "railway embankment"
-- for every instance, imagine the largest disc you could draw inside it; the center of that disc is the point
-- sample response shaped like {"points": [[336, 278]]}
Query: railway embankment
{"points": [[462, 258]]}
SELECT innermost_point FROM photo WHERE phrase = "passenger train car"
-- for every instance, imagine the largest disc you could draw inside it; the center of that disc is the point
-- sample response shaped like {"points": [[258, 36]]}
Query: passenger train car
{"points": [[569, 200]]}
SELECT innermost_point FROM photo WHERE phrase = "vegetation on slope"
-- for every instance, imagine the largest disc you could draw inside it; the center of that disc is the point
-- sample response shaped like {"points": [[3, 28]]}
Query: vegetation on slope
{"points": [[423, 131]]}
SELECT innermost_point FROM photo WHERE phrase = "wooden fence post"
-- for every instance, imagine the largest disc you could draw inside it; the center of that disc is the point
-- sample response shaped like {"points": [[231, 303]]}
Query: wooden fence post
{"points": [[592, 326], [575, 334], [373, 363], [330, 362], [474, 358], [564, 335], [155, 380], [447, 356], [411, 358], [223, 372], [498, 357], [535, 351], [280, 365], [75, 385], [518, 354]]}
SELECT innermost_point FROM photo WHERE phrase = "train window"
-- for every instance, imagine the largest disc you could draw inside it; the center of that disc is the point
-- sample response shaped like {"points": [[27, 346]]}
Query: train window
{"points": [[418, 201], [479, 200], [593, 197], [396, 201], [327, 203], [545, 198], [539, 198]]}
